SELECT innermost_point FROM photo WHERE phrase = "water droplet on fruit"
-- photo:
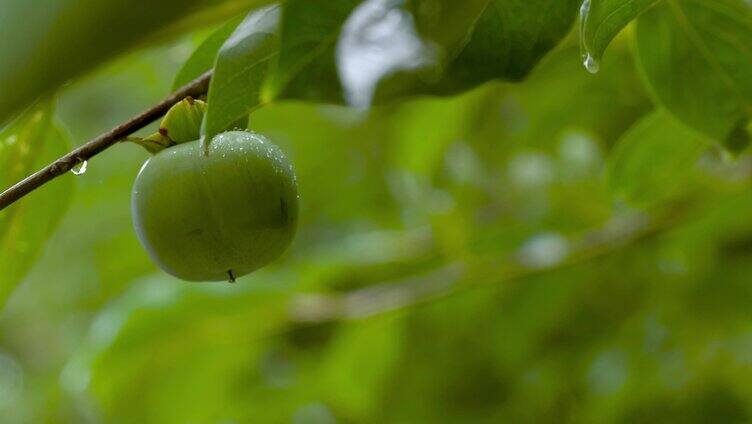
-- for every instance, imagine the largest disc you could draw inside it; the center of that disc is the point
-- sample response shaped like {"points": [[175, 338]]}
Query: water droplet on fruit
{"points": [[80, 168], [591, 64]]}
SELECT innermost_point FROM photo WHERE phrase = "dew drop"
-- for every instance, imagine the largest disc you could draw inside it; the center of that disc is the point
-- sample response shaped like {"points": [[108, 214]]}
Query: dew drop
{"points": [[591, 64], [80, 168]]}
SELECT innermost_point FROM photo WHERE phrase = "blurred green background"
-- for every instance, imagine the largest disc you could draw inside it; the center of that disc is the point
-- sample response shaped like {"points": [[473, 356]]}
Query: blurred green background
{"points": [[458, 259]]}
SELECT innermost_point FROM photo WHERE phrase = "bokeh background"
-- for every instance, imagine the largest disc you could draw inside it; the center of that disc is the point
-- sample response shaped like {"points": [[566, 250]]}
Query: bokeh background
{"points": [[458, 259]]}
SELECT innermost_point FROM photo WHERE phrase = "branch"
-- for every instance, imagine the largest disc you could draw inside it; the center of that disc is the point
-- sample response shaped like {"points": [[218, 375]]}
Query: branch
{"points": [[458, 277], [378, 299], [195, 88]]}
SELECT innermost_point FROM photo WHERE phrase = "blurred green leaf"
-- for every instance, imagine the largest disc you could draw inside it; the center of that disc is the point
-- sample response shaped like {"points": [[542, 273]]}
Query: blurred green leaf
{"points": [[694, 54], [202, 59], [240, 70], [606, 104], [255, 359], [30, 142], [19, 140], [740, 137], [45, 43], [148, 340], [352, 388], [601, 21], [653, 159]]}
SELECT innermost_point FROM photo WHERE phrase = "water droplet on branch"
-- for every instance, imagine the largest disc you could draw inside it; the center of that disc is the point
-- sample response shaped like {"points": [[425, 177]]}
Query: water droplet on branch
{"points": [[80, 168]]}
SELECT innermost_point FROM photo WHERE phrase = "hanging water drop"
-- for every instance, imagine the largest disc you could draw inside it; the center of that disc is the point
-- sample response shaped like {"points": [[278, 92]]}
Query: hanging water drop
{"points": [[591, 64], [80, 168]]}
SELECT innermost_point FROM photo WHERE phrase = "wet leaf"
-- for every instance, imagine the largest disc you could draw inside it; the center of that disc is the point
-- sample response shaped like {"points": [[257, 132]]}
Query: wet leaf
{"points": [[602, 20], [241, 68]]}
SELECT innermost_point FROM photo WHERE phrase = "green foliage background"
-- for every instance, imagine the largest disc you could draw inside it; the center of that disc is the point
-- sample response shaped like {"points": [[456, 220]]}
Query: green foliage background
{"points": [[503, 237]]}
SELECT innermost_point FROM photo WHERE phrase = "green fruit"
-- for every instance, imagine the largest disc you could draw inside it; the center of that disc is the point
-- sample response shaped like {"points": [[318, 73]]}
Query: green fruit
{"points": [[217, 216]]}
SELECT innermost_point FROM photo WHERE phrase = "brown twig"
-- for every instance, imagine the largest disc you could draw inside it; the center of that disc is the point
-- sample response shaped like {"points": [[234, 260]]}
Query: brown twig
{"points": [[195, 88]]}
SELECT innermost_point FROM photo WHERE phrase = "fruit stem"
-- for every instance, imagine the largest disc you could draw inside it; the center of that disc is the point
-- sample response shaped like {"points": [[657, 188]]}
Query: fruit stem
{"points": [[231, 275]]}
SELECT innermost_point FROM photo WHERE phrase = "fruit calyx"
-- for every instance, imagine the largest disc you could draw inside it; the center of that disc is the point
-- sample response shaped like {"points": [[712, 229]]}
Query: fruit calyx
{"points": [[181, 124]]}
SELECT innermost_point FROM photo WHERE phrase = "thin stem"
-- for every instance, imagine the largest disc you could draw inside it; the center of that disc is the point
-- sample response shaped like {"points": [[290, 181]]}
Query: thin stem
{"points": [[458, 277], [195, 88]]}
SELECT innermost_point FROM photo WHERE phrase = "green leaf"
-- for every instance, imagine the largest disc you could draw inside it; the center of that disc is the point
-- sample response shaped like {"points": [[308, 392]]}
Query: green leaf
{"points": [[29, 143], [306, 67], [448, 24], [44, 43], [18, 138], [240, 70], [390, 49], [509, 40], [323, 47], [601, 21], [380, 41], [380, 50], [695, 56], [205, 55], [653, 159]]}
